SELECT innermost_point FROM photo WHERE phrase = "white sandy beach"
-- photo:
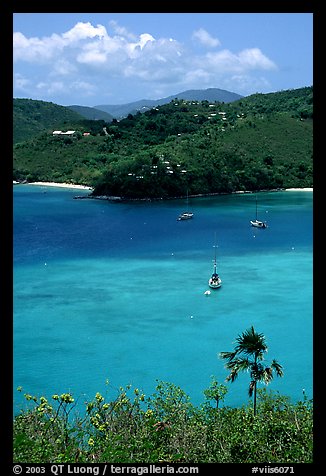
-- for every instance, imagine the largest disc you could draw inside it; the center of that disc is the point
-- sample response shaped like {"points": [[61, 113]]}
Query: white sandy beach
{"points": [[307, 189], [62, 185]]}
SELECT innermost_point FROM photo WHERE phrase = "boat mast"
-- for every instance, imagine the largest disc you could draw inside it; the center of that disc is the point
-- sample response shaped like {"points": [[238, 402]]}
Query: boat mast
{"points": [[256, 209], [215, 246]]}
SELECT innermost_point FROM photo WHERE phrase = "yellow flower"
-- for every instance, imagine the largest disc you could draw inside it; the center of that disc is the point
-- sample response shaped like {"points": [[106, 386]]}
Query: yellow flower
{"points": [[99, 397], [66, 397]]}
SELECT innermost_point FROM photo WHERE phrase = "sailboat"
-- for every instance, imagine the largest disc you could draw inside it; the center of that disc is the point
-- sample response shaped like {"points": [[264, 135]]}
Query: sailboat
{"points": [[186, 215], [258, 223], [215, 281]]}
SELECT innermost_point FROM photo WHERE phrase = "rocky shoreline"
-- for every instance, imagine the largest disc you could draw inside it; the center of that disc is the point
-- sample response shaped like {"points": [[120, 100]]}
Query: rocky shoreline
{"points": [[147, 199], [114, 198]]}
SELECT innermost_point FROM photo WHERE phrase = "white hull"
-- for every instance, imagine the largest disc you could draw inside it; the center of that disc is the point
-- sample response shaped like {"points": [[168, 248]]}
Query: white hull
{"points": [[215, 283], [258, 224], [185, 216]]}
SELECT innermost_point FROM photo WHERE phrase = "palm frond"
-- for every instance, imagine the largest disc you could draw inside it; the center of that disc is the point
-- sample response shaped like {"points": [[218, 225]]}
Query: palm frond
{"points": [[251, 343], [277, 367], [232, 376], [267, 375], [240, 364], [256, 371], [236, 366], [227, 355]]}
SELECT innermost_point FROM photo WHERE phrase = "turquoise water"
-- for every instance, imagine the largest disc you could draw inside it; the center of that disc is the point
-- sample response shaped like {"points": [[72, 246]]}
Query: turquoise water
{"points": [[116, 291]]}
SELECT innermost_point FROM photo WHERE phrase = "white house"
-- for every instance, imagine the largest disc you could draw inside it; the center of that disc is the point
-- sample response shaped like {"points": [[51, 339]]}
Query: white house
{"points": [[60, 133]]}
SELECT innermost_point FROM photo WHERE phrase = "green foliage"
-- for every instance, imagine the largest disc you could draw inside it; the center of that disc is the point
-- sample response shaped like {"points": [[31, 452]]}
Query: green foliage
{"points": [[297, 101], [31, 117], [164, 427], [261, 142], [216, 391]]}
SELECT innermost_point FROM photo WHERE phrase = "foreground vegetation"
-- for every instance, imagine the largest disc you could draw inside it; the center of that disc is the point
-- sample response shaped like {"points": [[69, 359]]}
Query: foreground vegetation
{"points": [[164, 427], [261, 142], [167, 427]]}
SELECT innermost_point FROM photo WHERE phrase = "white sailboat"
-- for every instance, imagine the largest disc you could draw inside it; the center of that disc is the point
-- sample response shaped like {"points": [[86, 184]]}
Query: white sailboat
{"points": [[215, 281], [186, 215], [258, 223]]}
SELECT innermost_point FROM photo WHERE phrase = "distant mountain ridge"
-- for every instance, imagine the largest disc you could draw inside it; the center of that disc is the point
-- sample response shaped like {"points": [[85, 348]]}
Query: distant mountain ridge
{"points": [[91, 113], [118, 111]]}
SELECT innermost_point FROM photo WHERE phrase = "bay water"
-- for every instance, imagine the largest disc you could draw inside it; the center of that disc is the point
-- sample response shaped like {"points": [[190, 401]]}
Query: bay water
{"points": [[114, 292]]}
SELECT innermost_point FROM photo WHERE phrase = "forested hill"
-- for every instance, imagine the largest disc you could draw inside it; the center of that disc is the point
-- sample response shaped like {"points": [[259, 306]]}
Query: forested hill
{"points": [[31, 117], [297, 101], [263, 141]]}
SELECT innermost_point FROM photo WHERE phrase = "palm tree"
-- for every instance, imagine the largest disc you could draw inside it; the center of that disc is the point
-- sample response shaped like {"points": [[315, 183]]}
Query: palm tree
{"points": [[247, 356]]}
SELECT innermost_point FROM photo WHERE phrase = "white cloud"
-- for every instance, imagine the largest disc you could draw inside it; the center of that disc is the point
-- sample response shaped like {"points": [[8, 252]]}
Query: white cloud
{"points": [[92, 55], [244, 82], [89, 52], [63, 67], [198, 75], [42, 50], [21, 83], [84, 87], [157, 60], [53, 87], [145, 38], [122, 31], [134, 49], [93, 46], [254, 59], [249, 59], [48, 88], [82, 31], [205, 38], [38, 50]]}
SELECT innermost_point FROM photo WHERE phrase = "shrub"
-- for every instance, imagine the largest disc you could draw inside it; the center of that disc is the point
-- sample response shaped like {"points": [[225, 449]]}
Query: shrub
{"points": [[164, 427]]}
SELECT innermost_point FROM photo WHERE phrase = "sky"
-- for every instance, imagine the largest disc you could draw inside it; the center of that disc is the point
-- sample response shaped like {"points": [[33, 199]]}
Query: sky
{"points": [[93, 59]]}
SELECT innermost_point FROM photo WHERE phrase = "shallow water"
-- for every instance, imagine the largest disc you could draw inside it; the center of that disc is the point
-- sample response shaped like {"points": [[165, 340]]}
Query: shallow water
{"points": [[116, 291]]}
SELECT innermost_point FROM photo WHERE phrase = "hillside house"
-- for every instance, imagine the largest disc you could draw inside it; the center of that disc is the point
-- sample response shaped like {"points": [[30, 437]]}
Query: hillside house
{"points": [[61, 133]]}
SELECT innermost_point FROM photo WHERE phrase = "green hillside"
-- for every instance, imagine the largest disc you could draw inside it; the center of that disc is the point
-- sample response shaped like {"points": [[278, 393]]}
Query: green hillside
{"points": [[263, 141], [31, 117]]}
